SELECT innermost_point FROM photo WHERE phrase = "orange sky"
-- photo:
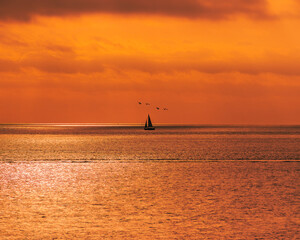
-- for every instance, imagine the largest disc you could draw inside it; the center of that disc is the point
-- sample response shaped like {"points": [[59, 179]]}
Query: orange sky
{"points": [[208, 62]]}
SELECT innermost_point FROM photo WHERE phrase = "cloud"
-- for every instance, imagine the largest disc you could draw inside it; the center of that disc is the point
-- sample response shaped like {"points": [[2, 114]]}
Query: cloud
{"points": [[50, 64], [59, 48], [213, 9], [8, 66], [275, 64]]}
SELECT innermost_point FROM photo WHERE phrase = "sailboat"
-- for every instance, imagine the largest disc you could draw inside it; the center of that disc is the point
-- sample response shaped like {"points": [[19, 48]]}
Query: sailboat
{"points": [[148, 124]]}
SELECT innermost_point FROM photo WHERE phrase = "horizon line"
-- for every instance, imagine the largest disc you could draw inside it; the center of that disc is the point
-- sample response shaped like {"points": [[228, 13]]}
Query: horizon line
{"points": [[157, 124]]}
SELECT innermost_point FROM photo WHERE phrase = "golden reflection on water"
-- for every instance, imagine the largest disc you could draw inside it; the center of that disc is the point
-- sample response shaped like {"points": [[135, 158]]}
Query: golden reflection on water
{"points": [[149, 200]]}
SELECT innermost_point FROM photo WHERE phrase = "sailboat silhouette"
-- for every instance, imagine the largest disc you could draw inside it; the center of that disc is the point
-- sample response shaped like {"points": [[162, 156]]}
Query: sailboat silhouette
{"points": [[148, 124]]}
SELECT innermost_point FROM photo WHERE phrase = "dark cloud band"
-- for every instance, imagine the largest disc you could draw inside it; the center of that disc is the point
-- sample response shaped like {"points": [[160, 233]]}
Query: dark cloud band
{"points": [[208, 9]]}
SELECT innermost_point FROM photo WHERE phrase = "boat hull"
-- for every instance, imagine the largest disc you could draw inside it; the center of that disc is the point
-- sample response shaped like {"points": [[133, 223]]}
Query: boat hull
{"points": [[149, 128]]}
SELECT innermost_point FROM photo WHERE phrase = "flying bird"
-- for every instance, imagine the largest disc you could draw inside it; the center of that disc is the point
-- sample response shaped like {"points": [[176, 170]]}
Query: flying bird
{"points": [[165, 109], [157, 108], [139, 102], [147, 104]]}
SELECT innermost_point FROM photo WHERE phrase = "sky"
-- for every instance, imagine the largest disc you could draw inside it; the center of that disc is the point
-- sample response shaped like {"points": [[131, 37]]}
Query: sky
{"points": [[207, 61]]}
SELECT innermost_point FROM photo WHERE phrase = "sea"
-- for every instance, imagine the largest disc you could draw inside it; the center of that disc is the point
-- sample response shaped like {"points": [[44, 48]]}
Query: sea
{"points": [[113, 181]]}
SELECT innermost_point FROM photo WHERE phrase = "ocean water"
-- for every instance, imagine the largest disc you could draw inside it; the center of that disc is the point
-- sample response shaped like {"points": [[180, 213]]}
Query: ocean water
{"points": [[121, 182]]}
